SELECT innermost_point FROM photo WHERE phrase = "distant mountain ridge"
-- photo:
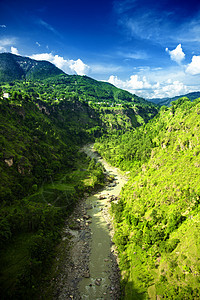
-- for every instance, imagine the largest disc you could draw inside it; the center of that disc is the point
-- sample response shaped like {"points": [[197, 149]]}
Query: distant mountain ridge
{"points": [[15, 67], [166, 101]]}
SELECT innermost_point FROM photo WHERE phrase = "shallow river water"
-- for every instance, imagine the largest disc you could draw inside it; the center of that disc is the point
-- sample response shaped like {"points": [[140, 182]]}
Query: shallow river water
{"points": [[102, 258], [89, 270]]}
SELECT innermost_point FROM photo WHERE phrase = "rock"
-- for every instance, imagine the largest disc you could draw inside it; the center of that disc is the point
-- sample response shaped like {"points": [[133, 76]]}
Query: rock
{"points": [[98, 282], [101, 197], [9, 161], [89, 207], [86, 275], [86, 217], [112, 184]]}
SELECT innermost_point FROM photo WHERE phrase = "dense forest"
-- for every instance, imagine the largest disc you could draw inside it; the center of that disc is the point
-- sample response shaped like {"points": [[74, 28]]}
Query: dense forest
{"points": [[44, 122], [46, 117], [157, 217]]}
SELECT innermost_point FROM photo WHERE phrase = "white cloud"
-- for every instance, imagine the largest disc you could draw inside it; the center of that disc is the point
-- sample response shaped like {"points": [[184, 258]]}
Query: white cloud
{"points": [[194, 67], [138, 55], [38, 44], [177, 54], [79, 67], [141, 86], [6, 42], [69, 66], [14, 51], [171, 89], [3, 26], [2, 49], [134, 85], [47, 26]]}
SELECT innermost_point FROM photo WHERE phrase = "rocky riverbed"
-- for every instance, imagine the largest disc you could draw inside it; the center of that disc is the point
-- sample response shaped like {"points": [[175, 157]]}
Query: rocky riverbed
{"points": [[89, 270]]}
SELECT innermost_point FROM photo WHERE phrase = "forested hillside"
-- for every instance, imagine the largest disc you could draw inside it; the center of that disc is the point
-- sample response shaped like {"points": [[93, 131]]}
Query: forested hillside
{"points": [[42, 176], [16, 67], [43, 124], [157, 218]]}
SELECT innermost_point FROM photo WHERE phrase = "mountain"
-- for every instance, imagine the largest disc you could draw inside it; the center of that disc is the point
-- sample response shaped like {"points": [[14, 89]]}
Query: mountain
{"points": [[157, 217], [15, 67], [70, 109], [166, 101], [44, 122]]}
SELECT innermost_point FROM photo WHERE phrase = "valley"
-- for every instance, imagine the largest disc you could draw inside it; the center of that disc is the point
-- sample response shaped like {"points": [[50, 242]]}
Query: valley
{"points": [[64, 229]]}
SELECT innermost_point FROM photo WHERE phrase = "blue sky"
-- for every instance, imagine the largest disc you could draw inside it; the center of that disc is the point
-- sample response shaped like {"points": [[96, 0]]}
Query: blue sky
{"points": [[150, 48]]}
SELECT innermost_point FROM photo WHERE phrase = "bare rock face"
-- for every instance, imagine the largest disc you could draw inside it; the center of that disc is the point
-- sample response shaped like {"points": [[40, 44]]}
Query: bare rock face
{"points": [[9, 161]]}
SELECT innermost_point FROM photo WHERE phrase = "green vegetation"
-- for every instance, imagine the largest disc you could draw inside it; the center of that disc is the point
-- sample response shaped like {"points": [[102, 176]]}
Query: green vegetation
{"points": [[30, 227], [15, 67], [157, 218], [46, 117]]}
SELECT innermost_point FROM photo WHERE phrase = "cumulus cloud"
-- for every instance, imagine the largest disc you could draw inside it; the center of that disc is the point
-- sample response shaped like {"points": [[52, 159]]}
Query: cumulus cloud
{"points": [[134, 85], [79, 67], [194, 67], [177, 54], [14, 51], [143, 87], [69, 66], [171, 89]]}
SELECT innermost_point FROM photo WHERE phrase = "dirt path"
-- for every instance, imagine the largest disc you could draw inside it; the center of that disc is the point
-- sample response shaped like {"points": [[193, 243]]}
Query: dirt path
{"points": [[90, 270]]}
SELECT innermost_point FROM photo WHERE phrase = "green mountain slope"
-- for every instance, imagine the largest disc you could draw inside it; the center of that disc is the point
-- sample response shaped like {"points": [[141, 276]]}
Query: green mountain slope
{"points": [[39, 116], [43, 125], [15, 67], [42, 176], [157, 218]]}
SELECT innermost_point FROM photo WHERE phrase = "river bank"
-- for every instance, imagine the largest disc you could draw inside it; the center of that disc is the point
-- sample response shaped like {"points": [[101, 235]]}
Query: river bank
{"points": [[88, 268]]}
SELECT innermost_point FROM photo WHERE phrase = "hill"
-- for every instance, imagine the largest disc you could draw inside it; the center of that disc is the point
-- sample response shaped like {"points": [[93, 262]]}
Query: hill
{"points": [[166, 101], [52, 110], [157, 217], [43, 125], [15, 67]]}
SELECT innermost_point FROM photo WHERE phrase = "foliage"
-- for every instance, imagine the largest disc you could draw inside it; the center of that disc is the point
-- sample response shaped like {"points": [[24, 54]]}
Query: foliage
{"points": [[157, 217], [45, 118], [15, 67]]}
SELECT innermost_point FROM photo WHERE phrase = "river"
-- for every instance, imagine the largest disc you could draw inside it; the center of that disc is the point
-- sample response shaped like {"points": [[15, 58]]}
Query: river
{"points": [[91, 272]]}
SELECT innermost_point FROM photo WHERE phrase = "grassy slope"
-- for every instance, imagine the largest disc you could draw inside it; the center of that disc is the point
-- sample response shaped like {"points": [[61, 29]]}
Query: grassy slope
{"points": [[157, 218]]}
